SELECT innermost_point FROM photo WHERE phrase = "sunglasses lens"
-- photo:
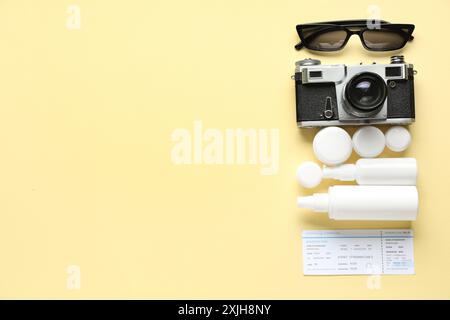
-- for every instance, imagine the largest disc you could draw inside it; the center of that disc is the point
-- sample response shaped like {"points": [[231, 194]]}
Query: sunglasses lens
{"points": [[326, 40], [383, 39]]}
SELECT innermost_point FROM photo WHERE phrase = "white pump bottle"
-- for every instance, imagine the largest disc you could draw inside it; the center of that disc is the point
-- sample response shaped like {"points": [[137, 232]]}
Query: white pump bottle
{"points": [[399, 203]]}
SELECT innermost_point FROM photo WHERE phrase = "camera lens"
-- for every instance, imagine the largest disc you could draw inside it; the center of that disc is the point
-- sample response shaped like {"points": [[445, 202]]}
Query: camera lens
{"points": [[365, 93]]}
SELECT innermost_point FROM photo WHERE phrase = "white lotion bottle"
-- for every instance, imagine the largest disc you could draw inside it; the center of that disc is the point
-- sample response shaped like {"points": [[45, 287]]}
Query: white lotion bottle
{"points": [[378, 171], [394, 203]]}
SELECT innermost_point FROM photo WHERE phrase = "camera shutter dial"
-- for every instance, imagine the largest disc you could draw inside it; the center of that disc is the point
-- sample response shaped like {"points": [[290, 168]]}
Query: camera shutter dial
{"points": [[308, 62]]}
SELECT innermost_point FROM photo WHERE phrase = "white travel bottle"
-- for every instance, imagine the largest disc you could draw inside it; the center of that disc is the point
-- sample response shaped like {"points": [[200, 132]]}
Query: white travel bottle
{"points": [[398, 203], [377, 171]]}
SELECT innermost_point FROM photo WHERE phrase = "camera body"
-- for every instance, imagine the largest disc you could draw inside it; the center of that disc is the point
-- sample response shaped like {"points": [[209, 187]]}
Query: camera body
{"points": [[354, 95]]}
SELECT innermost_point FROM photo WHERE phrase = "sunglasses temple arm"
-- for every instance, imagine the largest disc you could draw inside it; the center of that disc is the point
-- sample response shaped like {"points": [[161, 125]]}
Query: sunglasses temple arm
{"points": [[298, 46]]}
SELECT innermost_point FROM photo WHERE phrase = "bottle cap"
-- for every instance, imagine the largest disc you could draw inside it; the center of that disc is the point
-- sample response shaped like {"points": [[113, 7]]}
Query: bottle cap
{"points": [[398, 138], [309, 174], [332, 145], [369, 142]]}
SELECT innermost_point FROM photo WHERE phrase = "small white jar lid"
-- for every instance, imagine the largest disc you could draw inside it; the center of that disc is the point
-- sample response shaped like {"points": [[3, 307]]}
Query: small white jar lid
{"points": [[369, 142], [332, 145], [309, 174], [398, 138]]}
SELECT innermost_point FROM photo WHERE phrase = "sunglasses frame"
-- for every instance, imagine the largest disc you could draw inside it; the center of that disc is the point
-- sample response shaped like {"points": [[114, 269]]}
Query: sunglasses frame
{"points": [[348, 25]]}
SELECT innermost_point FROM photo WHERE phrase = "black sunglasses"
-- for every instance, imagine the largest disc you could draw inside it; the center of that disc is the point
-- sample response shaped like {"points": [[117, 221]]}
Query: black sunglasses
{"points": [[334, 35]]}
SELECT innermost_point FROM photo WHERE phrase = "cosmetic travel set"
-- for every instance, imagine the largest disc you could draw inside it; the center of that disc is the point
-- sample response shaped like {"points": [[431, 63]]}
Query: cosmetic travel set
{"points": [[331, 97]]}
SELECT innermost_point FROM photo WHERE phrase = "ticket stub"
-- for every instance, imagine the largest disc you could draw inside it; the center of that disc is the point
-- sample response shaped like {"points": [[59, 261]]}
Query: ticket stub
{"points": [[356, 252]]}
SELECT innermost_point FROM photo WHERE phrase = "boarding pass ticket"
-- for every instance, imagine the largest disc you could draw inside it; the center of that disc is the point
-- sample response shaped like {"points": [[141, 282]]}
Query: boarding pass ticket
{"points": [[363, 251]]}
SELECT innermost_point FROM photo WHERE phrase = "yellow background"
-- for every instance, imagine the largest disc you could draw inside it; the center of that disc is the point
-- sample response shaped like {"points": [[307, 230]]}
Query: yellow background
{"points": [[86, 177]]}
